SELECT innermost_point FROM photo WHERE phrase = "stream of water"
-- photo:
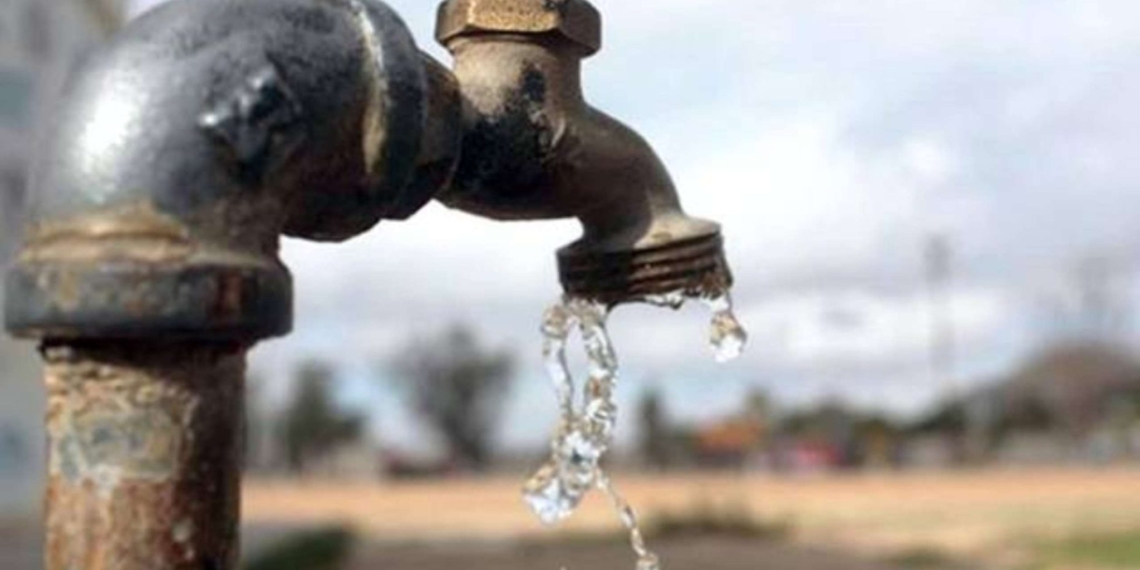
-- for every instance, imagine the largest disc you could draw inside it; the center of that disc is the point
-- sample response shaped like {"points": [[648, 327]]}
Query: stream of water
{"points": [[586, 428]]}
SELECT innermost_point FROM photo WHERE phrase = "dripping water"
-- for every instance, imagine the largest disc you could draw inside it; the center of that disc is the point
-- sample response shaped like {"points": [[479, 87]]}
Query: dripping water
{"points": [[585, 432], [726, 335]]}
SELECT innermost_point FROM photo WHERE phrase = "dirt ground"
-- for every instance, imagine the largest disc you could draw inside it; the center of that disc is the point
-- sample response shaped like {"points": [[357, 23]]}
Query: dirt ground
{"points": [[687, 554], [982, 515]]}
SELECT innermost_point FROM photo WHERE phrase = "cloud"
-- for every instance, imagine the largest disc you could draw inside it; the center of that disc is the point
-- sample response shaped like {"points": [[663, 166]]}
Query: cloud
{"points": [[831, 139]]}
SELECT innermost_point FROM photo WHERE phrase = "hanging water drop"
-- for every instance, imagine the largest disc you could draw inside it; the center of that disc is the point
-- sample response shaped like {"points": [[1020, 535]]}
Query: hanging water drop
{"points": [[727, 336]]}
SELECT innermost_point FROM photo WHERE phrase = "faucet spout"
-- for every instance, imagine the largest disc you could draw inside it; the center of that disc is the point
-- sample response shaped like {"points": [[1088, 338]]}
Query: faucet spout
{"points": [[533, 148]]}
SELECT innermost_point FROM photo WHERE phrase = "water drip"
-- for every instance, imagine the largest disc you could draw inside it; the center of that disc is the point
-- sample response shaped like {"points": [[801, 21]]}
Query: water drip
{"points": [[586, 432]]}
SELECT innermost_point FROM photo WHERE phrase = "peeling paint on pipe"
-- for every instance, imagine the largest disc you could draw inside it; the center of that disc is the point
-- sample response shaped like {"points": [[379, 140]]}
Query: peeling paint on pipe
{"points": [[144, 456]]}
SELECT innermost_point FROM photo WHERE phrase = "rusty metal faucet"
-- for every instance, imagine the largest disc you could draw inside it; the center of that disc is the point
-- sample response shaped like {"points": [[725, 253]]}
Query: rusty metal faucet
{"points": [[186, 147], [533, 148]]}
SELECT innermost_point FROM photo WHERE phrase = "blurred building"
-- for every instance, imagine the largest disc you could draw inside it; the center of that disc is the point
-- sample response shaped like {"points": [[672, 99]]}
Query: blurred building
{"points": [[39, 41], [732, 443], [1070, 402]]}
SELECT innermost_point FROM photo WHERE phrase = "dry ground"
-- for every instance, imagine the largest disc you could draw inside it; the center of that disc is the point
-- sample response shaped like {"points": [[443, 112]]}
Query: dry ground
{"points": [[983, 515], [685, 554]]}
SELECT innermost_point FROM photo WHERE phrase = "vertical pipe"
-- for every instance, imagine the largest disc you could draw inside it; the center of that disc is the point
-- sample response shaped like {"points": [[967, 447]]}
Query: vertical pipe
{"points": [[144, 455]]}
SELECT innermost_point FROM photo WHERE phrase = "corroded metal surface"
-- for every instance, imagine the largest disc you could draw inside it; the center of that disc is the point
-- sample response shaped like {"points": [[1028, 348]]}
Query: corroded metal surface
{"points": [[181, 152], [190, 144], [533, 148], [145, 445], [237, 121], [132, 271], [184, 149]]}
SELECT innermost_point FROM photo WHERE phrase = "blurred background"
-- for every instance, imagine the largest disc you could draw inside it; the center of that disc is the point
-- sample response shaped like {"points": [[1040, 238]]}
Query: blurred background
{"points": [[930, 209]]}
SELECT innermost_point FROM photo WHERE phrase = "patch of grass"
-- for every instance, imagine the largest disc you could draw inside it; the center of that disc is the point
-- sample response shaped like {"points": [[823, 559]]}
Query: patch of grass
{"points": [[922, 558], [707, 520], [326, 549], [1120, 550]]}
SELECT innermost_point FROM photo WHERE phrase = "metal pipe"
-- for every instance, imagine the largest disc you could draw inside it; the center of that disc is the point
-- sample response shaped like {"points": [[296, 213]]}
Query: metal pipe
{"points": [[185, 148], [181, 153], [205, 131], [144, 455]]}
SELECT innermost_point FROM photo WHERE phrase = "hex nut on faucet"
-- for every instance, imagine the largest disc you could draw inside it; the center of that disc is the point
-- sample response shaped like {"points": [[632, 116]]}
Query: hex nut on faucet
{"points": [[576, 21]]}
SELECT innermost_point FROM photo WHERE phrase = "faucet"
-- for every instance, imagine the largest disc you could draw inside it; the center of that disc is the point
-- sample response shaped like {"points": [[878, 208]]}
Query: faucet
{"points": [[534, 149], [186, 147]]}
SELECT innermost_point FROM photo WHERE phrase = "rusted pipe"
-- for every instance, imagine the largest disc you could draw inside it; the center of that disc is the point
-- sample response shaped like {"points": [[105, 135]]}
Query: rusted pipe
{"points": [[181, 152], [185, 149], [144, 455], [187, 146]]}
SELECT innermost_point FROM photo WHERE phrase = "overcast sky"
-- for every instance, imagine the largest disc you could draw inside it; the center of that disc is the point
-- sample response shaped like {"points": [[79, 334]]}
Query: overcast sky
{"points": [[830, 138]]}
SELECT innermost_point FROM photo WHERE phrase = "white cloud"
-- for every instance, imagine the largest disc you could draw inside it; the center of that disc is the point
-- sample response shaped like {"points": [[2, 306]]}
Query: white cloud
{"points": [[830, 138]]}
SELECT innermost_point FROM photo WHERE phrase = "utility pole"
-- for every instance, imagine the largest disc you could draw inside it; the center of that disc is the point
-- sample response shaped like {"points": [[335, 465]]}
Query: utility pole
{"points": [[965, 437], [938, 260], [1102, 308]]}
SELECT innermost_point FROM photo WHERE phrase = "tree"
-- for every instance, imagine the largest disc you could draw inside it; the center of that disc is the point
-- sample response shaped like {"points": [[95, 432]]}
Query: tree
{"points": [[313, 426], [458, 388], [1073, 384]]}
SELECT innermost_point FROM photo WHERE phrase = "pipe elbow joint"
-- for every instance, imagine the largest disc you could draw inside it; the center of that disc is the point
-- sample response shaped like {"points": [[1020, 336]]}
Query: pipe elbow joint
{"points": [[184, 149], [534, 149]]}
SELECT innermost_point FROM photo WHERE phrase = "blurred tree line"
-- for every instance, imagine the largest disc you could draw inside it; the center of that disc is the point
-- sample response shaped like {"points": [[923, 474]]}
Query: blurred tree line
{"points": [[313, 425], [459, 389], [1073, 401], [456, 386]]}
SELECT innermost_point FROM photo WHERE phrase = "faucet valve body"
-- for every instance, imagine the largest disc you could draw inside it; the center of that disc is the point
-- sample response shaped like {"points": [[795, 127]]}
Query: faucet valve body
{"points": [[533, 148]]}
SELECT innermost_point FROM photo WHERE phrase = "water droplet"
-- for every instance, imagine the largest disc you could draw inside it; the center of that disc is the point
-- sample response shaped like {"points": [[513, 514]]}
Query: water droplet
{"points": [[726, 335], [628, 517], [547, 496], [674, 300]]}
